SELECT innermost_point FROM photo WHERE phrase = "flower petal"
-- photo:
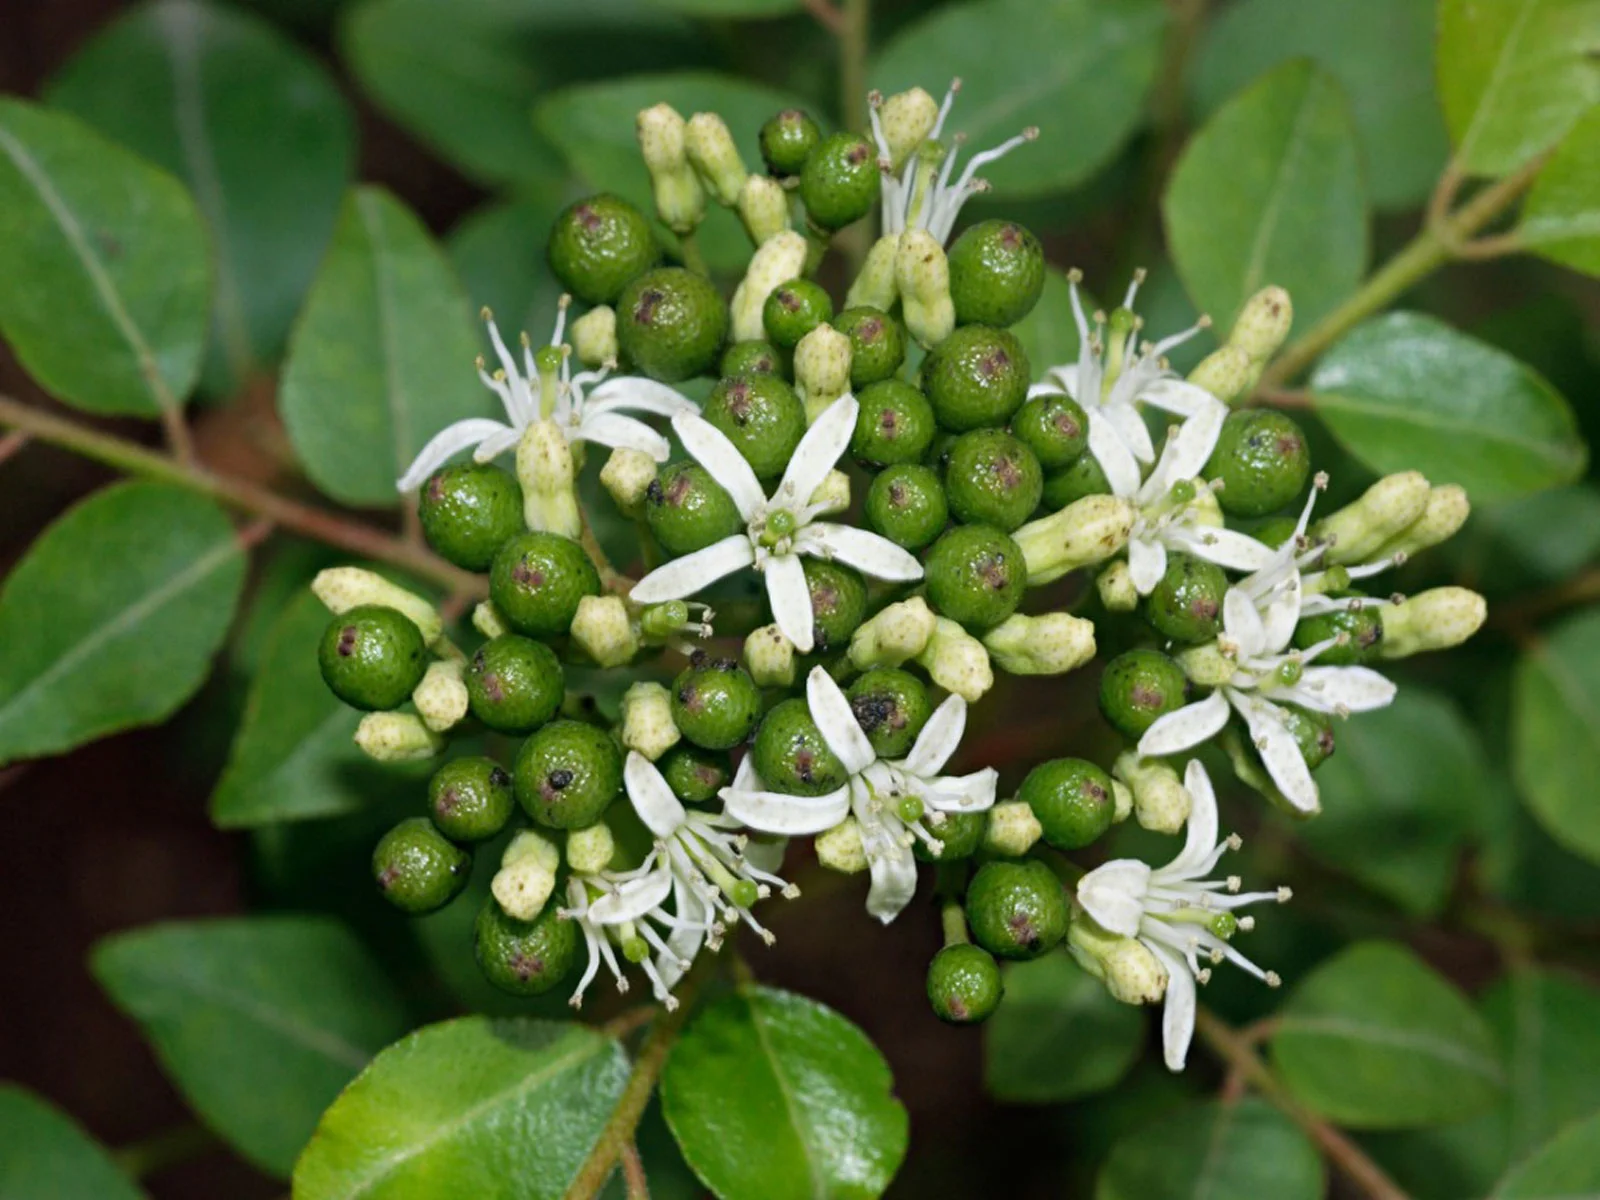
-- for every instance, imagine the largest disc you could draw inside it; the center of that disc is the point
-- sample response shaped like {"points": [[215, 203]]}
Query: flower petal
{"points": [[1188, 450], [1178, 1010], [1114, 893], [1225, 547], [639, 394], [652, 797], [866, 552], [695, 917], [711, 448], [1130, 429], [961, 793], [1279, 751], [687, 575], [445, 445], [766, 853], [1147, 563], [614, 430], [837, 721], [1200, 834], [1115, 459], [1186, 728], [938, 740], [496, 444], [894, 876], [631, 900], [789, 597], [1349, 689], [1179, 396], [790, 816], [822, 446], [1242, 621]]}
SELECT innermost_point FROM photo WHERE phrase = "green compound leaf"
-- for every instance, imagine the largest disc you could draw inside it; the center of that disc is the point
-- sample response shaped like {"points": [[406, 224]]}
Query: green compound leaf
{"points": [[259, 1021], [1561, 217], [1058, 1034], [44, 1154], [1086, 92], [1565, 1168], [1380, 51], [775, 1097], [1514, 75], [1270, 192], [381, 359], [104, 262], [1407, 392], [499, 253], [295, 756], [1374, 1039], [112, 617], [1214, 1151], [1397, 799], [256, 129], [1555, 732], [472, 1109]]}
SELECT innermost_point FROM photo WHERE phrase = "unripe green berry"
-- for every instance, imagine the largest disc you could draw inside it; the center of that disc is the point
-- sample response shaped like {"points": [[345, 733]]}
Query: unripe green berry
{"points": [[1138, 687], [1016, 909], [1055, 427], [791, 755], [417, 868], [752, 358], [992, 479], [960, 835], [892, 706], [762, 417], [471, 799], [907, 505], [567, 774], [840, 182], [687, 510], [1363, 625], [794, 309], [877, 344], [598, 244], [787, 140], [976, 576], [525, 958], [996, 273], [468, 511], [514, 684], [537, 581], [694, 773], [964, 984], [1261, 460], [894, 424], [1186, 605], [671, 323], [715, 703], [1312, 731], [1073, 800], [977, 376], [372, 657], [1083, 478], [838, 601]]}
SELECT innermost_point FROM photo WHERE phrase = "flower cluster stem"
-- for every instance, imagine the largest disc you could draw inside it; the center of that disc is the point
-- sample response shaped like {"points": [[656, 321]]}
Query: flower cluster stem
{"points": [[855, 39]]}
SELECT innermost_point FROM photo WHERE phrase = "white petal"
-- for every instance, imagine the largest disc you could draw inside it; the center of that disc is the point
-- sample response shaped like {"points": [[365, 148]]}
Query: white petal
{"points": [[1115, 459], [445, 445], [1065, 378], [866, 552], [1131, 430], [791, 816], [1225, 547], [1355, 689], [660, 810], [1187, 451], [745, 778], [1147, 563], [789, 597], [1242, 620], [823, 445], [837, 721], [614, 430], [939, 738], [685, 940], [1178, 1011], [1189, 726], [1279, 751], [687, 575], [632, 899], [1282, 615], [496, 444], [1200, 835], [1113, 894], [1179, 396], [722, 461], [894, 880], [962, 793], [639, 394]]}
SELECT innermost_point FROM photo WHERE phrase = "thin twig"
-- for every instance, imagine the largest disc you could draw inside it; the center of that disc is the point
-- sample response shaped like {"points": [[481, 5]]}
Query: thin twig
{"points": [[855, 37], [827, 15], [626, 1022], [633, 1176], [1581, 589], [13, 442]]}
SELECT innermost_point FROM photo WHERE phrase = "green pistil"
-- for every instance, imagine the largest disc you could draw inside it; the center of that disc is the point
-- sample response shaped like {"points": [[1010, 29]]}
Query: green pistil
{"points": [[910, 809], [779, 528], [547, 361]]}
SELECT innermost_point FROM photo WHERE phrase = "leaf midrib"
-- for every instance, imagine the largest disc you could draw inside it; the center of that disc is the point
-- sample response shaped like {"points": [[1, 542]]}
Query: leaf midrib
{"points": [[802, 1128], [1497, 76], [394, 390], [1267, 226], [1430, 419]]}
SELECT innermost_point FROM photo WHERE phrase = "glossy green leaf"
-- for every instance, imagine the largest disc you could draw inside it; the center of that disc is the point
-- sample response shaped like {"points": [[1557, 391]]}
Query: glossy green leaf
{"points": [[1555, 732], [472, 1109], [1270, 192], [1374, 1039], [1405, 391], [1214, 1151], [259, 1021], [499, 253], [1398, 799], [772, 1096], [1564, 1168], [256, 129], [1514, 75], [104, 266], [1531, 540], [1080, 72], [381, 358], [1058, 1034], [1561, 216], [1548, 1026], [112, 617], [44, 1155], [1380, 51], [733, 8]]}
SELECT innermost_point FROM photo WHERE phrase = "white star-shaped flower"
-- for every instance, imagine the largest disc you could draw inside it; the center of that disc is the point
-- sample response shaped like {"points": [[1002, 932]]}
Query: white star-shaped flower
{"points": [[1178, 913], [780, 528], [893, 802], [586, 407]]}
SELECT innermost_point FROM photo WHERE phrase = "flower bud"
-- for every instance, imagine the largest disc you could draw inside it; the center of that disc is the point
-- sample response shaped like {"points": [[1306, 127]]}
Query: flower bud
{"points": [[594, 337], [769, 657], [777, 260], [1087, 531], [486, 619], [1447, 511], [922, 273], [441, 697], [1206, 665], [589, 850], [875, 286], [1121, 800], [527, 875], [1115, 584], [396, 737], [957, 661], [1012, 829], [1227, 373], [628, 475], [1131, 973], [344, 588], [1385, 510], [647, 724], [680, 199], [601, 628], [1160, 801], [549, 480], [715, 158], [1263, 324], [900, 632], [821, 368], [1433, 620], [832, 494], [1052, 644], [764, 208], [840, 848], [906, 118]]}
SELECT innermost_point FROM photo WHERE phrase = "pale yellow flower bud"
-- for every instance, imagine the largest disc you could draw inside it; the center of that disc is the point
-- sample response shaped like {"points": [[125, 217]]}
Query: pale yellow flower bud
{"points": [[764, 208], [1115, 585], [680, 197], [589, 850], [441, 697], [1160, 801], [1433, 620], [647, 724], [1447, 511], [1087, 531], [957, 661], [1012, 829], [527, 875], [777, 260], [1131, 973], [396, 737], [875, 286], [832, 494], [1206, 665], [715, 158], [922, 273], [840, 848], [594, 337], [627, 476], [821, 368], [769, 657], [1227, 373], [1263, 324], [344, 588], [898, 633], [1385, 510], [487, 620], [906, 118], [1051, 644], [602, 629], [549, 480]]}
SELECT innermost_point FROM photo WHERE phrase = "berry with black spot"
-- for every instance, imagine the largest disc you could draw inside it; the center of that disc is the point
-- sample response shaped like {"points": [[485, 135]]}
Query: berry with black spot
{"points": [[687, 510], [793, 310], [1016, 910], [598, 244], [992, 479], [694, 773], [1362, 627], [468, 511], [996, 273], [892, 706], [977, 376], [791, 755], [976, 576], [567, 774], [894, 424], [1072, 799], [1186, 605], [418, 869], [1262, 461], [838, 601], [787, 140], [537, 581], [715, 702], [877, 344], [671, 323], [1055, 427], [753, 358], [964, 985], [762, 416], [471, 799], [514, 684], [524, 958], [907, 505], [1140, 686], [1084, 477], [840, 183], [372, 657]]}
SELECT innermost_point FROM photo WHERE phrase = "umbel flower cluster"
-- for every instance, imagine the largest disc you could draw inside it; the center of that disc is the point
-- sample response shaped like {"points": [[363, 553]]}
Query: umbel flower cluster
{"points": [[889, 503]]}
